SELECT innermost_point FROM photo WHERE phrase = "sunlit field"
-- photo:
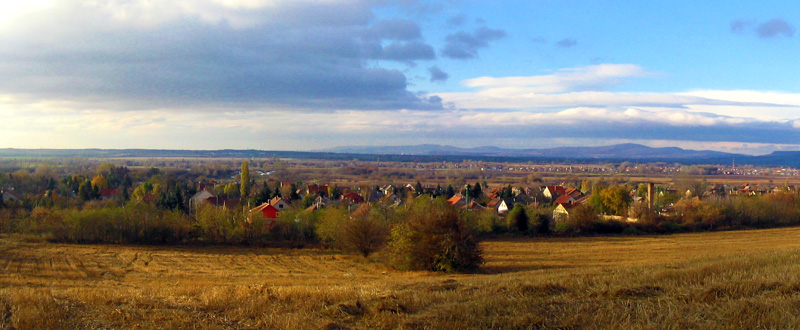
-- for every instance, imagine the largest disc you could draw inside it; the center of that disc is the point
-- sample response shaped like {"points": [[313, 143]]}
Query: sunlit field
{"points": [[725, 280]]}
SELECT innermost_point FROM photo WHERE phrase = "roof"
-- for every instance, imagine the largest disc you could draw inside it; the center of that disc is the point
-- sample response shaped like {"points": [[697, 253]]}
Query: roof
{"points": [[564, 199], [262, 207], [353, 196], [455, 200], [221, 201], [108, 192]]}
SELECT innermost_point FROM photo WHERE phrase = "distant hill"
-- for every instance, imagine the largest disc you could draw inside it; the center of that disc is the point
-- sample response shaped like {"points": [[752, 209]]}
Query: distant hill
{"points": [[438, 153], [618, 151]]}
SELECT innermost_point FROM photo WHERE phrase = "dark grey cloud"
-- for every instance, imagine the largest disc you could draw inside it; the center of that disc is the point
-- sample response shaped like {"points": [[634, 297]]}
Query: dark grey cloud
{"points": [[741, 26], [437, 74], [400, 29], [409, 51], [463, 45], [456, 21], [301, 55], [774, 28], [566, 43], [771, 29]]}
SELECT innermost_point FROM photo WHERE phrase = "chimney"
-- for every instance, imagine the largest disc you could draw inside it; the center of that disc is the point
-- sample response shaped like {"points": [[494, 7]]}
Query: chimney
{"points": [[650, 195]]}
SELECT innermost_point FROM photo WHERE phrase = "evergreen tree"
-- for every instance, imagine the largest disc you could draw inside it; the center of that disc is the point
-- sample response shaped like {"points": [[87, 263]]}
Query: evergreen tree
{"points": [[518, 218], [293, 194], [477, 191], [85, 191], [263, 196], [172, 199], [508, 192], [450, 191], [418, 188]]}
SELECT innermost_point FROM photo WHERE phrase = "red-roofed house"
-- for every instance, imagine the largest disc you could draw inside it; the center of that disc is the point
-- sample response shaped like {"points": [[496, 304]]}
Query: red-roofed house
{"points": [[353, 198], [269, 211], [109, 193], [456, 199], [553, 192], [278, 203]]}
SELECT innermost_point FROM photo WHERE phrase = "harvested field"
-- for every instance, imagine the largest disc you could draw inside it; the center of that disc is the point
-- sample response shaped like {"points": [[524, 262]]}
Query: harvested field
{"points": [[741, 279]]}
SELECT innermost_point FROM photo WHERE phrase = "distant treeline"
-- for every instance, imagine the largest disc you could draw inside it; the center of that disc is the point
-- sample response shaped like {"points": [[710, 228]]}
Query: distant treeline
{"points": [[785, 158]]}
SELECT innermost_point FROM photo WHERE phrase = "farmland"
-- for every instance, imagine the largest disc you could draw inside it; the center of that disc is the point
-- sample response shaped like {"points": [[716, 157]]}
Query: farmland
{"points": [[734, 279]]}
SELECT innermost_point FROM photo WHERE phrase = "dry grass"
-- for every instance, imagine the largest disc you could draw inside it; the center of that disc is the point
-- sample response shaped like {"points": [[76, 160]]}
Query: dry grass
{"points": [[725, 280]]}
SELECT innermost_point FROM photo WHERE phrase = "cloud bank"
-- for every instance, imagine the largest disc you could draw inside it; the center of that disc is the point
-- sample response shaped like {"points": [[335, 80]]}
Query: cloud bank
{"points": [[246, 54]]}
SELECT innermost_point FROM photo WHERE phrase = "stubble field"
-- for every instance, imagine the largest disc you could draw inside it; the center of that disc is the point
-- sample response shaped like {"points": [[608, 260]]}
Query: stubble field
{"points": [[723, 280]]}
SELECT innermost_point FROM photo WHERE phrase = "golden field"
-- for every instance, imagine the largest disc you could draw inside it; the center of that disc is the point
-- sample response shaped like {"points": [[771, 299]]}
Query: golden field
{"points": [[720, 280]]}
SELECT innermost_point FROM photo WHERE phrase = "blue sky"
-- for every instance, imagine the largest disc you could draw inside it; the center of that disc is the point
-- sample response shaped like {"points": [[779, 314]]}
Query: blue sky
{"points": [[307, 75]]}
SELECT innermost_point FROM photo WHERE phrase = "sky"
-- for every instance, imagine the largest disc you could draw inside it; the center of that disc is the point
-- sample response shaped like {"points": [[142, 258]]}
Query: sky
{"points": [[310, 75]]}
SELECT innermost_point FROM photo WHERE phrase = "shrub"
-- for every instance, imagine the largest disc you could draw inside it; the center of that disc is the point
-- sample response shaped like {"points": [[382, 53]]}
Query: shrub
{"points": [[363, 231], [434, 237]]}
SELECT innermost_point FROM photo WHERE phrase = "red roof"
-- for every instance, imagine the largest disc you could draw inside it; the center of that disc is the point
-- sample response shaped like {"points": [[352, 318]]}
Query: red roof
{"points": [[455, 200], [269, 211], [108, 192], [355, 198], [564, 199], [558, 190]]}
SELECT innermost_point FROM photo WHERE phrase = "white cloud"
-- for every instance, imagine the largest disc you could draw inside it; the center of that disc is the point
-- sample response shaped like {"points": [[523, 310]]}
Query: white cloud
{"points": [[565, 80]]}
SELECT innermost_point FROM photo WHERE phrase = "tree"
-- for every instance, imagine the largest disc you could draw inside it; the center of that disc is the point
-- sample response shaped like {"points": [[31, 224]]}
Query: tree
{"points": [[172, 199], [418, 188], [476, 191], [616, 199], [518, 219], [100, 182], [450, 191], [231, 190], [85, 191], [244, 181], [434, 237], [263, 195], [507, 192]]}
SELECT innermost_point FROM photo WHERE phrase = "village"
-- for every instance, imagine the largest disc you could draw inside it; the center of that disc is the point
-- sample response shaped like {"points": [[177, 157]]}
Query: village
{"points": [[552, 190]]}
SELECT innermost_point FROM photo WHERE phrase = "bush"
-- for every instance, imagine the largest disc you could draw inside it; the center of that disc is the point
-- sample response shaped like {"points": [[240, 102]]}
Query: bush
{"points": [[363, 231], [434, 237]]}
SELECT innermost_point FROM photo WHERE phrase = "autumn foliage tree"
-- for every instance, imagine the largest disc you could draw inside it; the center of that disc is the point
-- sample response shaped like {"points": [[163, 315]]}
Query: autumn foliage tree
{"points": [[434, 237]]}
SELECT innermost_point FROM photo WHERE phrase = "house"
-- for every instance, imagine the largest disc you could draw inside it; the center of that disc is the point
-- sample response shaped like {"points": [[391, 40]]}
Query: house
{"points": [[561, 212], [575, 193], [267, 210], [278, 203], [456, 200], [552, 192], [352, 198], [108, 193], [222, 201], [317, 190], [473, 206], [501, 206], [199, 197], [565, 199], [9, 195], [320, 202]]}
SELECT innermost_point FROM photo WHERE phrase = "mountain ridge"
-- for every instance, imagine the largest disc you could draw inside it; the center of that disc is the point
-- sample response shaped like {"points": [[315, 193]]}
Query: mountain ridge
{"points": [[625, 150]]}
